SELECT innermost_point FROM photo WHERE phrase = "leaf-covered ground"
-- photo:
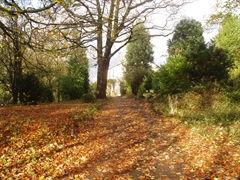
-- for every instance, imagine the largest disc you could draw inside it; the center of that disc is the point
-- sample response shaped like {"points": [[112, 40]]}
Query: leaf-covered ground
{"points": [[124, 140]]}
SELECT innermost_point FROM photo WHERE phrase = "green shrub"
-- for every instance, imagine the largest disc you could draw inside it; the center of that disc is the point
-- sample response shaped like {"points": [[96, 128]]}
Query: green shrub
{"points": [[32, 90], [123, 90], [234, 95], [208, 107], [145, 86], [47, 96], [89, 98], [173, 77], [161, 106]]}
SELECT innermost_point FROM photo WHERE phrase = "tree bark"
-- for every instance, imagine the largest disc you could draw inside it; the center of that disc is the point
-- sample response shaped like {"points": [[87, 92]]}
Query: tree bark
{"points": [[102, 79], [17, 74], [17, 81], [104, 58]]}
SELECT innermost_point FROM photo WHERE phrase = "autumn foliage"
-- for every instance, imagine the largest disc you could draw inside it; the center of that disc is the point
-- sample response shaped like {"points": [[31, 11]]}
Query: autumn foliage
{"points": [[123, 139]]}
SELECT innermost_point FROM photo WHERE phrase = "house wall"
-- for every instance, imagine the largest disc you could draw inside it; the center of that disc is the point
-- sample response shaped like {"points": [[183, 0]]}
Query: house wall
{"points": [[115, 74]]}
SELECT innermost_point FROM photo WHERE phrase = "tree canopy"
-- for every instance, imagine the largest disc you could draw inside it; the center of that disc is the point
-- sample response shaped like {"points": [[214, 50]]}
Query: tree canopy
{"points": [[104, 27], [75, 83], [222, 9], [188, 36], [191, 62], [228, 37], [139, 57]]}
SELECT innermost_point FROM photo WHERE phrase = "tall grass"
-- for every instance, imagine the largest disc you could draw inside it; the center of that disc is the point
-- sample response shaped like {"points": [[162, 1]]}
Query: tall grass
{"points": [[207, 111], [208, 107]]}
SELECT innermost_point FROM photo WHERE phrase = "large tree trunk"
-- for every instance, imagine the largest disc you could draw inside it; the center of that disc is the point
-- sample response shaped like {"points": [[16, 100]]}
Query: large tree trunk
{"points": [[102, 78], [17, 78], [104, 57]]}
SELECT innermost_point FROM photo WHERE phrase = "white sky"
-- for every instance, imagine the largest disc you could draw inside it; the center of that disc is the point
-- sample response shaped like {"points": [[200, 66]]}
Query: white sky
{"points": [[198, 10]]}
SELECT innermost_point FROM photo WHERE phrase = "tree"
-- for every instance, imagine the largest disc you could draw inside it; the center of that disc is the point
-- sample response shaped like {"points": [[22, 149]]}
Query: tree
{"points": [[208, 63], [228, 39], [12, 57], [139, 55], [191, 61], [188, 42], [28, 44], [16, 32], [228, 35], [187, 37], [18, 58], [33, 91], [97, 24], [76, 82], [222, 9]]}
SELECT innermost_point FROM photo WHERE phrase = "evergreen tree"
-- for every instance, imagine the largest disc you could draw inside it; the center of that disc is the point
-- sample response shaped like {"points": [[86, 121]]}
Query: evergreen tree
{"points": [[139, 55], [76, 82], [187, 37], [32, 90], [228, 39], [191, 61]]}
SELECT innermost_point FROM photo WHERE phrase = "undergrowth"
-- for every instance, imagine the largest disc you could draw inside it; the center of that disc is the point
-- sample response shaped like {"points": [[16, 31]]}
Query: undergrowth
{"points": [[89, 112], [206, 111], [208, 108], [86, 114]]}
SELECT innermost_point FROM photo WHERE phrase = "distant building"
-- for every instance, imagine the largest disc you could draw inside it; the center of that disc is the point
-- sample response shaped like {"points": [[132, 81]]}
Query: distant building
{"points": [[115, 78]]}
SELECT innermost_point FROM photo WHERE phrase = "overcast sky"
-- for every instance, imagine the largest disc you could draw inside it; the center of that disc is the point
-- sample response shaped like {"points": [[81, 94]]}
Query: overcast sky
{"points": [[198, 10]]}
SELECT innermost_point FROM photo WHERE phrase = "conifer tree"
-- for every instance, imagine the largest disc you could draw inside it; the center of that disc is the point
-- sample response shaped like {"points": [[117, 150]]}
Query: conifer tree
{"points": [[139, 56]]}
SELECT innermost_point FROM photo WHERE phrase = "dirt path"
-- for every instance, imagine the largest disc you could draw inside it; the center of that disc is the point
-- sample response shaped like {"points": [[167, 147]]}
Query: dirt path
{"points": [[125, 140], [136, 143]]}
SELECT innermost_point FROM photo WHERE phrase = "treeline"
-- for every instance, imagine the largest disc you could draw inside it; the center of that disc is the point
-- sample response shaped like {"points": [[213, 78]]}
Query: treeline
{"points": [[30, 75], [199, 80]]}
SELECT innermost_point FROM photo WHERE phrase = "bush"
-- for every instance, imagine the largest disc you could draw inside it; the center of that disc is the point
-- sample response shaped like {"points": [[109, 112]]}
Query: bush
{"points": [[123, 90], [33, 90], [208, 107], [173, 77], [89, 98], [234, 95], [47, 95], [71, 89], [145, 86]]}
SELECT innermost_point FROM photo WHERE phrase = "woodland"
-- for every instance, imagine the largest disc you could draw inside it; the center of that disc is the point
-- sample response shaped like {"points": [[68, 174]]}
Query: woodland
{"points": [[180, 120]]}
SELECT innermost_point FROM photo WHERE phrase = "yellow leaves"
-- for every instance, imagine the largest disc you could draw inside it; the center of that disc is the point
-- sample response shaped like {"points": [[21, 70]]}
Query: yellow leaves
{"points": [[66, 46], [83, 159], [55, 34], [99, 168], [60, 36], [41, 178], [77, 177], [50, 34]]}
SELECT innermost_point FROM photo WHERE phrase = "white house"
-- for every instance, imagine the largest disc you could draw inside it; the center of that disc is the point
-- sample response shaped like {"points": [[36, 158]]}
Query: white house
{"points": [[115, 78]]}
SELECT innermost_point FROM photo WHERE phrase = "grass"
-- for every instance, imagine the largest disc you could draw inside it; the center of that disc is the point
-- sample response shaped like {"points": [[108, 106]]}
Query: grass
{"points": [[86, 114], [208, 108], [208, 112]]}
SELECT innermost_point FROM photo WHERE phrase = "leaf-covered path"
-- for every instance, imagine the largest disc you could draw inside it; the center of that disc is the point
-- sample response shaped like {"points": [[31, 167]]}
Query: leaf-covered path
{"points": [[137, 144], [125, 140]]}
